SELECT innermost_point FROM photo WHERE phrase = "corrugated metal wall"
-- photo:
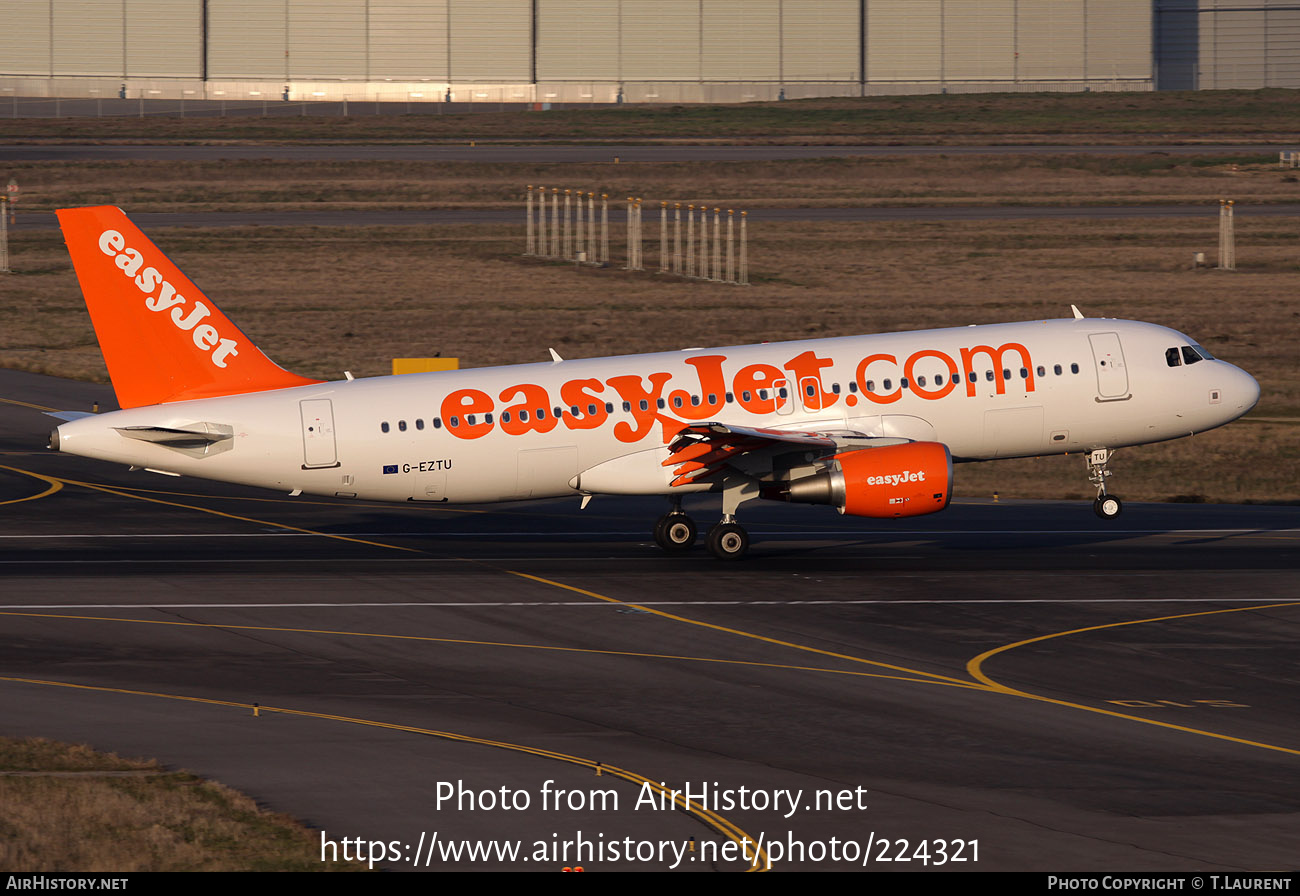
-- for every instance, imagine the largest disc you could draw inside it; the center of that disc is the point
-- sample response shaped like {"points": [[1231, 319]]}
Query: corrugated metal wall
{"points": [[1228, 44], [101, 38], [408, 40], [904, 40], [1050, 40], [164, 39], [1118, 40], [833, 46], [491, 40], [25, 37], [247, 39]]}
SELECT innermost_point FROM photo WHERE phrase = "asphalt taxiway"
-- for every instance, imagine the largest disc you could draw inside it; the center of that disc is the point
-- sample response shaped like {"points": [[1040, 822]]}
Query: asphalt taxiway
{"points": [[586, 153], [1067, 693]]}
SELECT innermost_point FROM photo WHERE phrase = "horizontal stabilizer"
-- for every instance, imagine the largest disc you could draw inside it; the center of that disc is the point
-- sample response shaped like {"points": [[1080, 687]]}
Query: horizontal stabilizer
{"points": [[201, 435]]}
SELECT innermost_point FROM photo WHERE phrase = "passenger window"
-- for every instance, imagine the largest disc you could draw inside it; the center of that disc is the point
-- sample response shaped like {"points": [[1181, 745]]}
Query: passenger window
{"points": [[523, 415], [662, 404], [920, 381], [609, 407], [1042, 371], [1024, 373], [835, 387], [1057, 369], [695, 400], [677, 401], [419, 424], [627, 407], [746, 396], [470, 420], [853, 385], [453, 422], [487, 418], [505, 417], [888, 385], [573, 409], [871, 385], [401, 424], [591, 409], [1074, 368], [810, 390], [988, 375], [541, 413], [383, 427], [645, 405], [437, 423]]}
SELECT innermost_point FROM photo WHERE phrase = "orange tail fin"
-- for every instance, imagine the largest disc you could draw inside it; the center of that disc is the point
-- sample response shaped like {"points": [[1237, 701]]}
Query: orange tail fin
{"points": [[162, 339]]}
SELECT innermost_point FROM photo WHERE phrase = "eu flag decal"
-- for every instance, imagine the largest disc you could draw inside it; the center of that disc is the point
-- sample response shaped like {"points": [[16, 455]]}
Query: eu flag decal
{"points": [[390, 468]]}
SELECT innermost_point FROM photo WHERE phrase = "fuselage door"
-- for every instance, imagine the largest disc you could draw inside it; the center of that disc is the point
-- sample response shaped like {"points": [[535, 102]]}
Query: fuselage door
{"points": [[1108, 358], [781, 394], [810, 393], [318, 448]]}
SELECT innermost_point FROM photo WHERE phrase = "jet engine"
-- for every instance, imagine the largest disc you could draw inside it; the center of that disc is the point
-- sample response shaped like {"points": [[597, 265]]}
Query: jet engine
{"points": [[891, 481]]}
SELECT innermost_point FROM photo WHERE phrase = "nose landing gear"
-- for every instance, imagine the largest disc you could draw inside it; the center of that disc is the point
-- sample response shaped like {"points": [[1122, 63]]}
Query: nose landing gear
{"points": [[1106, 506]]}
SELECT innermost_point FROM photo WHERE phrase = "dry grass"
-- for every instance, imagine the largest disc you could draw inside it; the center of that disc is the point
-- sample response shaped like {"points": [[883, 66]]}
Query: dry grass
{"points": [[1154, 117], [266, 185], [322, 300], [67, 808]]}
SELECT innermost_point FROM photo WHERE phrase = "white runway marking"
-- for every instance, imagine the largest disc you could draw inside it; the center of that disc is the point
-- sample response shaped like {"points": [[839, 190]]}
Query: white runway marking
{"points": [[797, 533], [640, 603]]}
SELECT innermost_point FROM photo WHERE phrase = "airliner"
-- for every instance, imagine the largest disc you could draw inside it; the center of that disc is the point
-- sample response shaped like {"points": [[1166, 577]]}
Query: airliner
{"points": [[869, 425]]}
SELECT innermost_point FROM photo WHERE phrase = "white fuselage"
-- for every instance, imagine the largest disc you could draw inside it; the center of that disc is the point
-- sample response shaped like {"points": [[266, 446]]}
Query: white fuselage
{"points": [[1005, 390]]}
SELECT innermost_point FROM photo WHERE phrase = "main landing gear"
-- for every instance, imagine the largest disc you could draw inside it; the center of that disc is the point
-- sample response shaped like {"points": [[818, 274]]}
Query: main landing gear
{"points": [[728, 540], [675, 533], [1106, 506]]}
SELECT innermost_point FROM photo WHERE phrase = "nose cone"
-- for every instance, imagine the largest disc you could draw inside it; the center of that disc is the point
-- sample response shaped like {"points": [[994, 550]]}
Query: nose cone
{"points": [[1242, 393]]}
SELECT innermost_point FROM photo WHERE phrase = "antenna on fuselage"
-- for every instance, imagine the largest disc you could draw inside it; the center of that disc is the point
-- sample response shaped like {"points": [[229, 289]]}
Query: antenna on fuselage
{"points": [[1078, 315]]}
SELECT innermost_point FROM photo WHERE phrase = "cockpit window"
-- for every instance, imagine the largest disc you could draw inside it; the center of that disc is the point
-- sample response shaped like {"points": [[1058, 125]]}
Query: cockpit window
{"points": [[1200, 350], [1190, 355], [1172, 358]]}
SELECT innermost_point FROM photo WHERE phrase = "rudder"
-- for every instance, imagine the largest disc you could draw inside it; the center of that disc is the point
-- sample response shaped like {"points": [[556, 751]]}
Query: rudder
{"points": [[162, 339]]}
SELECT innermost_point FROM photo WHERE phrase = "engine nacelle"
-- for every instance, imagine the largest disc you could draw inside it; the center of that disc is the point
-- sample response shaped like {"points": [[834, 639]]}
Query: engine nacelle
{"points": [[896, 480]]}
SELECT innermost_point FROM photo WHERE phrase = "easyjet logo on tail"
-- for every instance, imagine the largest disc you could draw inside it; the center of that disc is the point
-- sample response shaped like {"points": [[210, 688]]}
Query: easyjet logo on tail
{"points": [[161, 296]]}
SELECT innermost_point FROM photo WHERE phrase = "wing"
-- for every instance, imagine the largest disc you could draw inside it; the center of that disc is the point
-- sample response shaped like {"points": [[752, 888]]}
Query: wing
{"points": [[704, 452]]}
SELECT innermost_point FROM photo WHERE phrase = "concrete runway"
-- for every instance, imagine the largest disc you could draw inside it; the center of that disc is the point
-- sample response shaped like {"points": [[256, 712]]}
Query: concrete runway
{"points": [[1020, 686]]}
